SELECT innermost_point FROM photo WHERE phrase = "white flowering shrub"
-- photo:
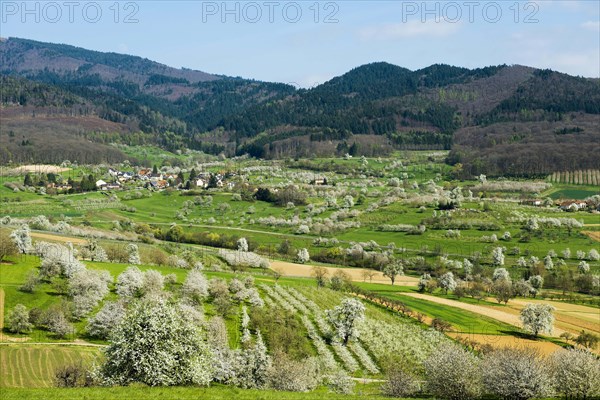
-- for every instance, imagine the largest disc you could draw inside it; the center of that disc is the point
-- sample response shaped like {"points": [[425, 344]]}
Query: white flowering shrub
{"points": [[340, 382], [178, 354], [243, 259], [518, 374], [576, 374], [453, 373], [291, 375], [593, 255]]}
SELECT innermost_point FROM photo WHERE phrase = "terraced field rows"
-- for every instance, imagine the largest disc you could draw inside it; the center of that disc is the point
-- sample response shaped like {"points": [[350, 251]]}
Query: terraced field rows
{"points": [[34, 366]]}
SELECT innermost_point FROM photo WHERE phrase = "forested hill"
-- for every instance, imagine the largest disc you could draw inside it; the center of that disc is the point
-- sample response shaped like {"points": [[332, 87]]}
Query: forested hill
{"points": [[487, 116]]}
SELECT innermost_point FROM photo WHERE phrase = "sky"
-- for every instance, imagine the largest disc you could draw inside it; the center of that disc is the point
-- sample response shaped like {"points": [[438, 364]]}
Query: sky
{"points": [[306, 43]]}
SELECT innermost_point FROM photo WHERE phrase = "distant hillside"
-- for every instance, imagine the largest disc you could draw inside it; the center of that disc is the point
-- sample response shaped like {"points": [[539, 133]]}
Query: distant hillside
{"points": [[499, 120]]}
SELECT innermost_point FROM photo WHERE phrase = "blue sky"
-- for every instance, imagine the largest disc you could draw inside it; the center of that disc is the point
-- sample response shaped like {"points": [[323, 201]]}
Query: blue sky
{"points": [[309, 42]]}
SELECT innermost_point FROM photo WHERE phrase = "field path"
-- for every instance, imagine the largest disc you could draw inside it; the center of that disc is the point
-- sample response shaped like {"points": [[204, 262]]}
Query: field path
{"points": [[509, 318], [304, 270]]}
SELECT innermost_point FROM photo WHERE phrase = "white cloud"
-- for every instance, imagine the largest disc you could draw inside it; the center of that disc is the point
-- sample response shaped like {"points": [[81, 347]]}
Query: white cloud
{"points": [[409, 29], [593, 26]]}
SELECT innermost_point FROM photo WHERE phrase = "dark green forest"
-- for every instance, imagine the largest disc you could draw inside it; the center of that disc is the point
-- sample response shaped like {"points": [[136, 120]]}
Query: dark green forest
{"points": [[438, 107]]}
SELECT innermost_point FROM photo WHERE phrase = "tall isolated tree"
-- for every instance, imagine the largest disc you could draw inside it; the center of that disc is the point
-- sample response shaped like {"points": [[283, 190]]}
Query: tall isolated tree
{"points": [[393, 269], [345, 319], [515, 374], [303, 256], [538, 318], [22, 238], [156, 346]]}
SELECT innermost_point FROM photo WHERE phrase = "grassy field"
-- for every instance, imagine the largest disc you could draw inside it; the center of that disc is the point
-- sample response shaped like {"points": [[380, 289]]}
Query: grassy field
{"points": [[212, 393], [25, 365]]}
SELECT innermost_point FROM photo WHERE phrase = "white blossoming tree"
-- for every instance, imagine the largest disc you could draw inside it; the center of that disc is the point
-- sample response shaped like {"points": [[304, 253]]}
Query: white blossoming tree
{"points": [[195, 286], [501, 274], [242, 244], [168, 351], [345, 318], [104, 322], [130, 282], [17, 320], [453, 373], [22, 238], [303, 257], [447, 282], [537, 318], [392, 270], [133, 254], [498, 257]]}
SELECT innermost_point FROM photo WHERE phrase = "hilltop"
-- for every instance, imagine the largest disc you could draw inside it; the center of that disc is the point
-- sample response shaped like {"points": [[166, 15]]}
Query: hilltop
{"points": [[499, 120]]}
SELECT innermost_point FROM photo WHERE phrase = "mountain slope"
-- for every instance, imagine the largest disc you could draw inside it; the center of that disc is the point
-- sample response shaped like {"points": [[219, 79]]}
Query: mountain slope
{"points": [[480, 114]]}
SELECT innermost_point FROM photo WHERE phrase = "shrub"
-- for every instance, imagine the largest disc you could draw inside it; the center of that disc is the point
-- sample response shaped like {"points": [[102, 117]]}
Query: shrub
{"points": [[71, 375], [576, 373], [453, 373], [178, 354], [515, 374], [17, 320], [291, 375], [400, 383], [340, 382]]}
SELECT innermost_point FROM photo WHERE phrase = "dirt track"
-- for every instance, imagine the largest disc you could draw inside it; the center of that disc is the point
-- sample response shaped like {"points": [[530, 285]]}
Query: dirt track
{"points": [[491, 312], [304, 270]]}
